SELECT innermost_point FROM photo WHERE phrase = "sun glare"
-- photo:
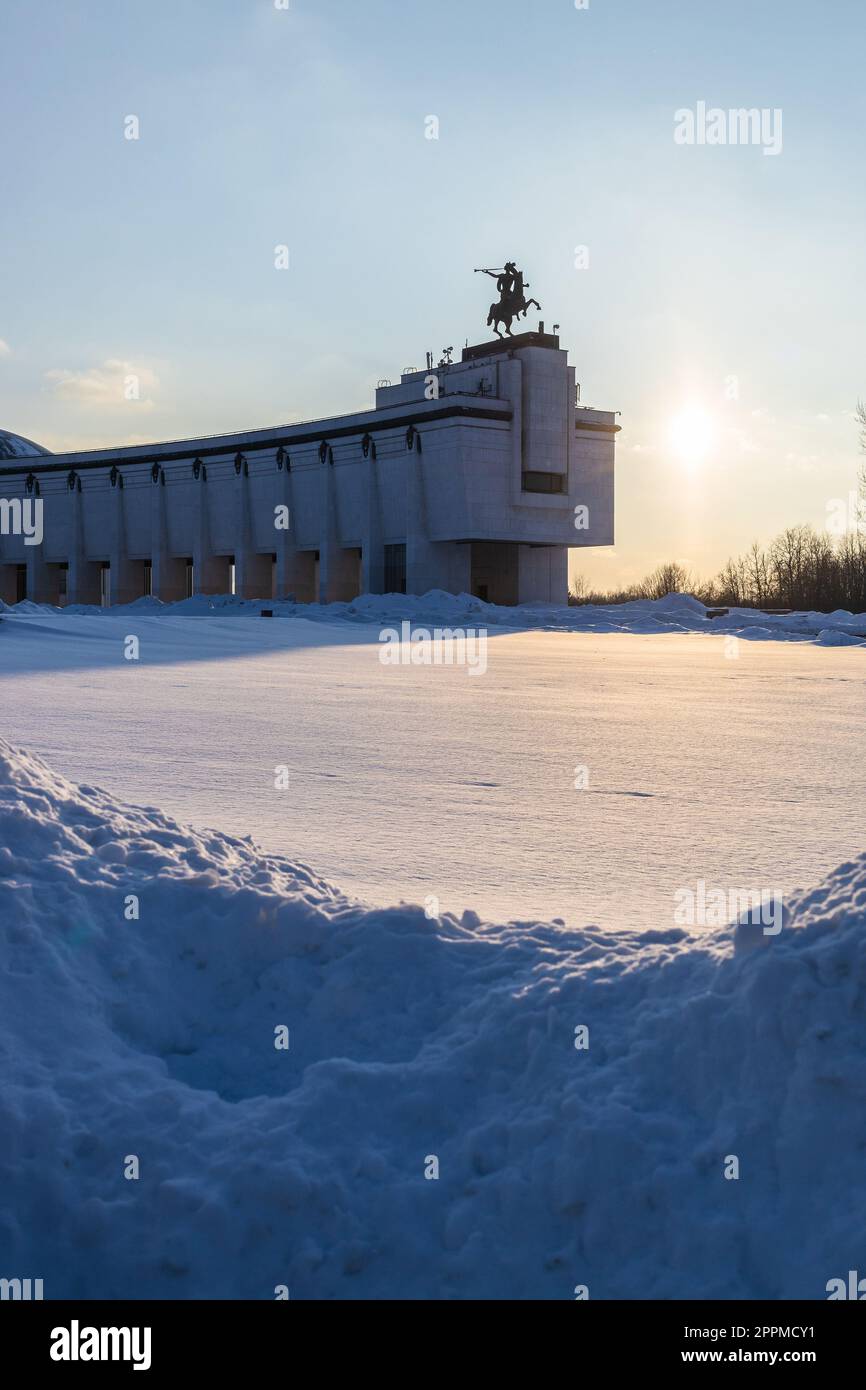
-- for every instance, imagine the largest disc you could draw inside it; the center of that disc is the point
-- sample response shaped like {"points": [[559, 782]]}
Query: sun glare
{"points": [[691, 434]]}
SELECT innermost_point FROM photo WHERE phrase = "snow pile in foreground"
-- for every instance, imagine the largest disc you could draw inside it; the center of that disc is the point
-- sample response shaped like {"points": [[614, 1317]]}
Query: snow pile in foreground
{"points": [[408, 1039], [675, 613]]}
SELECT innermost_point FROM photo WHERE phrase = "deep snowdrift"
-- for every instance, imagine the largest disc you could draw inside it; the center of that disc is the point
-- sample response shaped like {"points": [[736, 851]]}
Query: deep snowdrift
{"points": [[675, 613], [261, 1167]]}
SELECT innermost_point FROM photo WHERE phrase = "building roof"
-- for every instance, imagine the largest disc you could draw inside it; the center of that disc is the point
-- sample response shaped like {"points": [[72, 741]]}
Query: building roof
{"points": [[13, 446]]}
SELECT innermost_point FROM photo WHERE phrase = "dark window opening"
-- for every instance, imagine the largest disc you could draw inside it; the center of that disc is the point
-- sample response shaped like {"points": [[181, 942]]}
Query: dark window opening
{"points": [[190, 579], [395, 569], [148, 579], [21, 584], [543, 482]]}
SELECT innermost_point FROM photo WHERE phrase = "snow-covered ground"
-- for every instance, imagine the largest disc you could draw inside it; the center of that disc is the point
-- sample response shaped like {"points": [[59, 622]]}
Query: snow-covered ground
{"points": [[147, 966], [409, 1040], [720, 750]]}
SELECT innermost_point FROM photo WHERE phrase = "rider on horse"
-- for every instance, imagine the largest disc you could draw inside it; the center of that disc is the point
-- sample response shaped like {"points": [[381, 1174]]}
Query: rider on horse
{"points": [[512, 301]]}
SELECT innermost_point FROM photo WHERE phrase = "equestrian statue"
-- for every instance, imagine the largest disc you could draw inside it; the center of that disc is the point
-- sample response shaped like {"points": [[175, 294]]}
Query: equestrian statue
{"points": [[512, 301]]}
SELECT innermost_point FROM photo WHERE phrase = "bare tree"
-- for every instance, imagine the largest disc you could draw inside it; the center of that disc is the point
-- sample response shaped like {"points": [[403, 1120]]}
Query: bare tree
{"points": [[802, 569], [787, 557], [672, 578], [757, 567], [578, 590], [732, 586]]}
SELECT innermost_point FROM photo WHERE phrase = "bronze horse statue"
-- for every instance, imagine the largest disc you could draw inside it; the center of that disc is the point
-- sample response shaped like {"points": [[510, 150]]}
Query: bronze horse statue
{"points": [[512, 302]]}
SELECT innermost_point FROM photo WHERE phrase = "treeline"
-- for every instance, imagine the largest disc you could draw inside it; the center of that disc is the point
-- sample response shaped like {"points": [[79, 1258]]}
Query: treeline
{"points": [[801, 568]]}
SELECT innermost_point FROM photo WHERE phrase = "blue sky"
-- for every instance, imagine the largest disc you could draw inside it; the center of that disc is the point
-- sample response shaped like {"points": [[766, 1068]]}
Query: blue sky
{"points": [[722, 282]]}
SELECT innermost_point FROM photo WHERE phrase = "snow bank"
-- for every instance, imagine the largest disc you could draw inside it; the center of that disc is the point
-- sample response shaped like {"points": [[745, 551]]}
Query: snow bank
{"points": [[675, 613], [834, 637], [408, 1039]]}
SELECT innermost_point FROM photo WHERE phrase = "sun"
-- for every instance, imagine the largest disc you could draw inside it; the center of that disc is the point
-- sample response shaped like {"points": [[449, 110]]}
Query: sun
{"points": [[692, 433]]}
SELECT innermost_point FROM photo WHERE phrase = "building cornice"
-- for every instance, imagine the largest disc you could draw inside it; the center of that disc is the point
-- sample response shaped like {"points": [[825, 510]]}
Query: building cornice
{"points": [[288, 436]]}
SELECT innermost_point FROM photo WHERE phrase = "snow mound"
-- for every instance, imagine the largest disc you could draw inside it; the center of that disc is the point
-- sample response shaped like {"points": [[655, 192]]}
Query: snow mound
{"points": [[26, 605], [832, 637], [676, 613], [409, 1040]]}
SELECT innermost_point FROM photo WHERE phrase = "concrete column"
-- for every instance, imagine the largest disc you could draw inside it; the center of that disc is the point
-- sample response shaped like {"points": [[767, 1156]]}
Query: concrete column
{"points": [[210, 571], [295, 568], [168, 571], [417, 544], [83, 580], [338, 568], [42, 578], [127, 576], [428, 563], [459, 568], [253, 572], [372, 545], [559, 574]]}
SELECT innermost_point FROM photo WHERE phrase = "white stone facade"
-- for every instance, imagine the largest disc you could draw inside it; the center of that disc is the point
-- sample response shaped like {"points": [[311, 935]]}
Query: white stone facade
{"points": [[476, 476]]}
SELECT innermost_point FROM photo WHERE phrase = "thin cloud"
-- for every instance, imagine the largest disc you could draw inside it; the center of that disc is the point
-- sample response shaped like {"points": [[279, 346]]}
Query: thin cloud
{"points": [[112, 384]]}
